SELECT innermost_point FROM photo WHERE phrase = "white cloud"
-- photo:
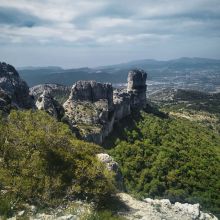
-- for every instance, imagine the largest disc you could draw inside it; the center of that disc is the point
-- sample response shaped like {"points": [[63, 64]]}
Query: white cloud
{"points": [[146, 19], [54, 10], [43, 34], [112, 24], [119, 38], [107, 22]]}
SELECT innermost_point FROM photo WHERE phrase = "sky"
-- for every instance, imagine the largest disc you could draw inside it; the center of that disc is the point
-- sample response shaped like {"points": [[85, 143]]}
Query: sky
{"points": [[79, 33]]}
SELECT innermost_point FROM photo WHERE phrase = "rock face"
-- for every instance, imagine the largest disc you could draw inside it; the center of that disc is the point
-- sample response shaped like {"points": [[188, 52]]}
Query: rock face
{"points": [[137, 88], [90, 109], [92, 91], [47, 103], [93, 108], [58, 92], [122, 104], [150, 209], [14, 92]]}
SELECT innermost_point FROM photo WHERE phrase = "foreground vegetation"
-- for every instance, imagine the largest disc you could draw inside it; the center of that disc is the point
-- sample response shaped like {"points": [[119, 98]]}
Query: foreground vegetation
{"points": [[168, 158], [41, 163]]}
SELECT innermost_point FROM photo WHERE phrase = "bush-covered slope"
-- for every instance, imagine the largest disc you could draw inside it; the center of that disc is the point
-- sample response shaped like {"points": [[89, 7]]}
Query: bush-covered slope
{"points": [[42, 163], [171, 158]]}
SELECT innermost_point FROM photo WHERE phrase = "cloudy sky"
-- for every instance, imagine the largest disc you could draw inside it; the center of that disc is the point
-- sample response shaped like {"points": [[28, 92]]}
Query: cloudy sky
{"points": [[74, 33]]}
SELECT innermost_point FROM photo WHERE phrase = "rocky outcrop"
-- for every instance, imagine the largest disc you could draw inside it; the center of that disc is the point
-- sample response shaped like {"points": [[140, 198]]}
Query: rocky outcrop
{"points": [[112, 166], [137, 88], [93, 108], [151, 209], [14, 92], [90, 109], [58, 92], [47, 103]]}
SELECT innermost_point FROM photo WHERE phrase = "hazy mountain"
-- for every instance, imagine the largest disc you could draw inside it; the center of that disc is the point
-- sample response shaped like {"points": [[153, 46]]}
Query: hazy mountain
{"points": [[186, 68]]}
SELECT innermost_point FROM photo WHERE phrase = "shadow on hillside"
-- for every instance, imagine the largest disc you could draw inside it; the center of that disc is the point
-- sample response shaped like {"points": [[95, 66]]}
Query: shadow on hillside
{"points": [[114, 204], [130, 123], [152, 109]]}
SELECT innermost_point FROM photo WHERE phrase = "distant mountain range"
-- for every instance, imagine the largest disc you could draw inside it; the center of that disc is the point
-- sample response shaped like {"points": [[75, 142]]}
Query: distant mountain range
{"points": [[118, 73]]}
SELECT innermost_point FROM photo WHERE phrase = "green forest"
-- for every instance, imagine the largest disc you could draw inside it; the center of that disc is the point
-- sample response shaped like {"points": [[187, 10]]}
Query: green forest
{"points": [[163, 157]]}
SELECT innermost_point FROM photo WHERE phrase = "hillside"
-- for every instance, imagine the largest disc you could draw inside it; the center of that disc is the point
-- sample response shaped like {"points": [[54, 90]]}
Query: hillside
{"points": [[51, 168], [201, 107], [170, 158]]}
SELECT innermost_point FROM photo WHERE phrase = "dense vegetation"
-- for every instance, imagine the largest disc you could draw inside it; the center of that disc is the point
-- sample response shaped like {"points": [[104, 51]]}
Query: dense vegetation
{"points": [[41, 163], [168, 158]]}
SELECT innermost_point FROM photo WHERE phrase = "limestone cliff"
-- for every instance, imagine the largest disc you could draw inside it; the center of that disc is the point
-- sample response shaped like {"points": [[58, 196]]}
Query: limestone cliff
{"points": [[90, 109], [93, 108], [137, 88]]}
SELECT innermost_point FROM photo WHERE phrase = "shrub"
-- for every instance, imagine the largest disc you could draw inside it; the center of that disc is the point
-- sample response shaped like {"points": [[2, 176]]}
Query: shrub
{"points": [[42, 163]]}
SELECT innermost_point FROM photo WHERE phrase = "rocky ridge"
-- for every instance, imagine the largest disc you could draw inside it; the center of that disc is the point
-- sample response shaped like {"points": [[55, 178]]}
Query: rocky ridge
{"points": [[93, 108], [14, 92]]}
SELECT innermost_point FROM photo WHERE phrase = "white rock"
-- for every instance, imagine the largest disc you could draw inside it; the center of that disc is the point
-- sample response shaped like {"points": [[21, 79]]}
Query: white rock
{"points": [[21, 213], [155, 209], [33, 208], [67, 217], [165, 202]]}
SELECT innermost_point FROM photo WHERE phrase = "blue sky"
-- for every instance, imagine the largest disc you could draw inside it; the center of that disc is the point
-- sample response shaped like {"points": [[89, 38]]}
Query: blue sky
{"points": [[75, 33]]}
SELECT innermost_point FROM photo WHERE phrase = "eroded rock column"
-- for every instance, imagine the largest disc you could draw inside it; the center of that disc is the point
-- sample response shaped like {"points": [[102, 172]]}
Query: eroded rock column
{"points": [[137, 88]]}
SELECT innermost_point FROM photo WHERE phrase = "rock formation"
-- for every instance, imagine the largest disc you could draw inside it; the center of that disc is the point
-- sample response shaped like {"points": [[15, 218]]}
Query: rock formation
{"points": [[93, 108], [58, 92], [90, 109], [47, 103], [14, 92], [137, 88], [122, 104]]}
